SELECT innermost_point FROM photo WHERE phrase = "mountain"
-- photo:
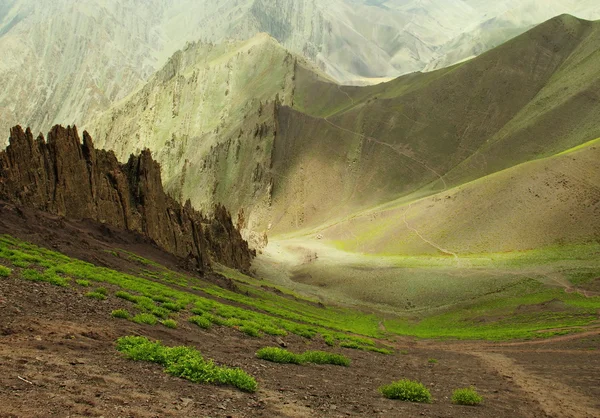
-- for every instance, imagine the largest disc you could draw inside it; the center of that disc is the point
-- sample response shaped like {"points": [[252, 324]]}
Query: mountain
{"points": [[67, 61], [65, 177], [315, 152]]}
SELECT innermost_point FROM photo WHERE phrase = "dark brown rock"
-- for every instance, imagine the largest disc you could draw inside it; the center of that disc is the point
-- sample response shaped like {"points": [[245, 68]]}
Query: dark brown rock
{"points": [[65, 177]]}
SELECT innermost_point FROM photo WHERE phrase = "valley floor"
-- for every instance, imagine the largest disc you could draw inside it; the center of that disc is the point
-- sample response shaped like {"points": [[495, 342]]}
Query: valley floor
{"points": [[58, 359]]}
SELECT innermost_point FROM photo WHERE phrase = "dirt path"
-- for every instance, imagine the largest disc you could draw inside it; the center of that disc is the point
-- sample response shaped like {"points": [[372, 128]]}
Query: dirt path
{"points": [[554, 397]]}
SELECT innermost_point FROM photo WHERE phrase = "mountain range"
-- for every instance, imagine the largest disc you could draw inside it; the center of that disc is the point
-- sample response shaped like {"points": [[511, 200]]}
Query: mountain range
{"points": [[302, 152], [66, 62]]}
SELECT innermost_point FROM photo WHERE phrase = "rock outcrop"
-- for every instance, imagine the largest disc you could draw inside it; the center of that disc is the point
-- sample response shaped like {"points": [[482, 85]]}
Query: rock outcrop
{"points": [[65, 177]]}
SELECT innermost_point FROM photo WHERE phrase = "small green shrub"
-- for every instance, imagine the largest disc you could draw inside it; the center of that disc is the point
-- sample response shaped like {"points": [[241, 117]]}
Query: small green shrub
{"points": [[406, 390], [95, 295], [185, 362], [466, 396], [250, 329], [329, 340], [48, 277], [102, 291], [83, 283], [270, 330], [5, 271], [350, 344], [322, 357], [169, 323], [172, 306], [200, 320], [279, 355], [127, 296], [120, 313], [432, 361], [145, 318]]}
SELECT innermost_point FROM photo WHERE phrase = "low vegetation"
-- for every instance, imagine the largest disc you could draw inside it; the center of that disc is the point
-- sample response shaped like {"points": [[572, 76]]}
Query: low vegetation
{"points": [[145, 318], [83, 283], [185, 362], [406, 390], [466, 396], [96, 295], [169, 323], [121, 313], [280, 355], [4, 271]]}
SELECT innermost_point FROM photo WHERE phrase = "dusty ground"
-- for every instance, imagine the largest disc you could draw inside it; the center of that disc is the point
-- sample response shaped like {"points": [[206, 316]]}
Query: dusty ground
{"points": [[57, 358]]}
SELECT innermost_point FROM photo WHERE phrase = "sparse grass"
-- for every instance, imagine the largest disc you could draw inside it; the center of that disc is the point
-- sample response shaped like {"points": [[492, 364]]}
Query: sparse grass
{"points": [[127, 296], [466, 396], [169, 323], [250, 329], [432, 361], [185, 362], [83, 283], [201, 320], [49, 276], [273, 314], [406, 390], [120, 313], [322, 357], [95, 295], [5, 271], [280, 355], [145, 318]]}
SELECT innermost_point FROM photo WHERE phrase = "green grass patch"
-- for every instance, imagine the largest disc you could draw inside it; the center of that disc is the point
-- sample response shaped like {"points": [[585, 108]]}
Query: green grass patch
{"points": [[185, 362], [466, 396], [48, 276], [145, 318], [5, 271], [432, 361], [95, 295], [250, 329], [201, 320], [280, 355], [406, 390], [120, 313], [83, 283], [169, 323]]}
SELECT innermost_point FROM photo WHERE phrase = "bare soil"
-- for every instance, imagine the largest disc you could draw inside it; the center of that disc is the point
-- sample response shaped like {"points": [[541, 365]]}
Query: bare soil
{"points": [[57, 357]]}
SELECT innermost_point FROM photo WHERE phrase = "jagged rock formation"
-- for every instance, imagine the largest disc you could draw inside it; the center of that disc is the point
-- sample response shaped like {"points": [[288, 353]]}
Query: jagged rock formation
{"points": [[65, 177]]}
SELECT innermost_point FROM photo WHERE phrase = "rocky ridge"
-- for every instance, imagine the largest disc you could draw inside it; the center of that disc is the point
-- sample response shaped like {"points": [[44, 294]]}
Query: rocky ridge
{"points": [[66, 177]]}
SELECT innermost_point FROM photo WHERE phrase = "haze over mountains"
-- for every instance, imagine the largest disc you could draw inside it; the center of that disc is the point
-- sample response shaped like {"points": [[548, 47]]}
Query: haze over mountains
{"points": [[66, 61]]}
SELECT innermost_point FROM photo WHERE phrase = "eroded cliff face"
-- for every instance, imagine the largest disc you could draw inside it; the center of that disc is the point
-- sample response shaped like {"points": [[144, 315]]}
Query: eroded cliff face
{"points": [[66, 177]]}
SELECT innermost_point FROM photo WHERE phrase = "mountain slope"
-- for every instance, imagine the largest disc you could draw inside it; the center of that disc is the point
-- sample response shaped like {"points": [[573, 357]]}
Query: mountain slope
{"points": [[302, 151], [424, 133], [538, 204], [66, 61]]}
